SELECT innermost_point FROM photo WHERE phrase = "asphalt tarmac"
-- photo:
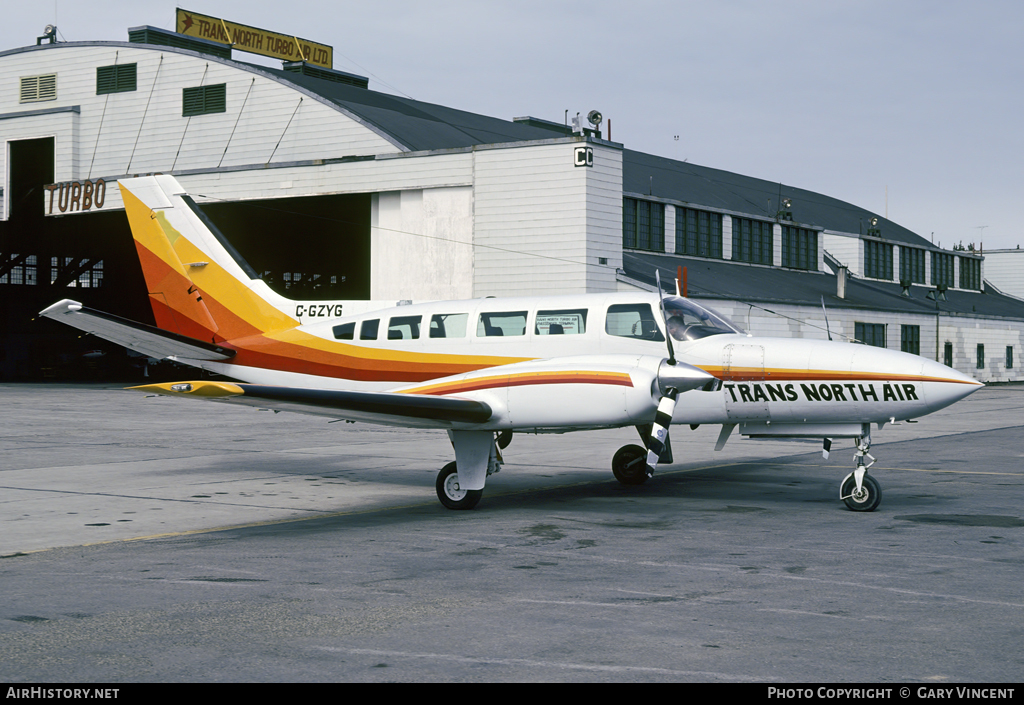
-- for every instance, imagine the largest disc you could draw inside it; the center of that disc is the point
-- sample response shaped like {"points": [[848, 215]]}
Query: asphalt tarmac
{"points": [[165, 540]]}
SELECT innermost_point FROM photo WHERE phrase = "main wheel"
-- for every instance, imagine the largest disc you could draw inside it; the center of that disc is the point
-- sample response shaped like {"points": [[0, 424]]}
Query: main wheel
{"points": [[864, 501], [629, 465], [451, 494]]}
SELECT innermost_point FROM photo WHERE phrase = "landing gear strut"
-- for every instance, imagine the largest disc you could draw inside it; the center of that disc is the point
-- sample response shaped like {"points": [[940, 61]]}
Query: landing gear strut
{"points": [[860, 491]]}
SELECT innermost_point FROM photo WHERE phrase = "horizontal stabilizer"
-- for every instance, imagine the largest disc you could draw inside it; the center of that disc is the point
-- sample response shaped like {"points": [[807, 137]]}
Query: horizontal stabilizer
{"points": [[411, 410], [139, 337]]}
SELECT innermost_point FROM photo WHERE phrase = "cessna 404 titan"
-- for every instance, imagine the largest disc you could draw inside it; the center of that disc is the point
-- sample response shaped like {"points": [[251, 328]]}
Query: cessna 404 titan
{"points": [[484, 368]]}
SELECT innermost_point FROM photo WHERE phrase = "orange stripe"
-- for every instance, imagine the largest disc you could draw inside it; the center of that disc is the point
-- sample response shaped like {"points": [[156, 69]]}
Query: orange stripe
{"points": [[525, 379], [783, 375]]}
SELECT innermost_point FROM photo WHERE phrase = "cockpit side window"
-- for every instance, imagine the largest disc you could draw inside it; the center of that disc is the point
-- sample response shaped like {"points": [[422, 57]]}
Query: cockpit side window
{"points": [[687, 320], [632, 321]]}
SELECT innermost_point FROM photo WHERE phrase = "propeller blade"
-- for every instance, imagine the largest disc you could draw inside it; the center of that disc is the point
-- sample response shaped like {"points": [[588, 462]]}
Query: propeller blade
{"points": [[659, 432], [668, 335]]}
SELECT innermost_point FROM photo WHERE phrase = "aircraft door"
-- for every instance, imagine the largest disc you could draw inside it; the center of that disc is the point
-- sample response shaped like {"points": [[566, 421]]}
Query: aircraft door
{"points": [[745, 396]]}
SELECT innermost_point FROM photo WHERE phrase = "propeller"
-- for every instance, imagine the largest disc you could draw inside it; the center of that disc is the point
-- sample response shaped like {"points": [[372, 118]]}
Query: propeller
{"points": [[670, 380]]}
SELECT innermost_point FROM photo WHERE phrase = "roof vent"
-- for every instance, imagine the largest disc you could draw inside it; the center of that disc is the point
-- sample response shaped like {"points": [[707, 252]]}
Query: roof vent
{"points": [[154, 35], [349, 79]]}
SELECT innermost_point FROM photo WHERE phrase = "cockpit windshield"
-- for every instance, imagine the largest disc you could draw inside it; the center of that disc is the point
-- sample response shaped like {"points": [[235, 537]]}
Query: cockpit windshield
{"points": [[687, 320]]}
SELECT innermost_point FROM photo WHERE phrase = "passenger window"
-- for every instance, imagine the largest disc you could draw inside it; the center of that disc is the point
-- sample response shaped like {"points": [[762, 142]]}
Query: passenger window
{"points": [[345, 331], [448, 325], [368, 331], [632, 321], [571, 322], [501, 323], [404, 328]]}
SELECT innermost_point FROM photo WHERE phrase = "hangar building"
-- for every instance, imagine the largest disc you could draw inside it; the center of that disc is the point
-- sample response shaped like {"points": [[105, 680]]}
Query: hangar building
{"points": [[333, 191]]}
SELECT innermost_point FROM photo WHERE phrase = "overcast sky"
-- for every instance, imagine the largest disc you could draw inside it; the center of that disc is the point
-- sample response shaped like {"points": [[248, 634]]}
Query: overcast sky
{"points": [[911, 108]]}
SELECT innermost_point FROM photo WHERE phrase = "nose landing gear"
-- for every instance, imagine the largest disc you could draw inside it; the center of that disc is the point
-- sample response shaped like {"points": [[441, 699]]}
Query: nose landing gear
{"points": [[858, 490]]}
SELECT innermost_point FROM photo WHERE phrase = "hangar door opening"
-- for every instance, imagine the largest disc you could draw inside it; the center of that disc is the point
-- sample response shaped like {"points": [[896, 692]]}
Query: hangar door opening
{"points": [[314, 248]]}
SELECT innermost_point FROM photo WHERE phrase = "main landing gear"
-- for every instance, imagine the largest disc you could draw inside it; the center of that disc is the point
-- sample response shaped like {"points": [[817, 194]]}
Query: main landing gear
{"points": [[858, 490], [451, 493], [460, 484]]}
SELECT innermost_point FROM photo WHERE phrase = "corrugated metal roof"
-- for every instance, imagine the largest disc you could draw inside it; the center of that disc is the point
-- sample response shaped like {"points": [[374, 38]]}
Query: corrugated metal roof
{"points": [[723, 279], [666, 178], [426, 126]]}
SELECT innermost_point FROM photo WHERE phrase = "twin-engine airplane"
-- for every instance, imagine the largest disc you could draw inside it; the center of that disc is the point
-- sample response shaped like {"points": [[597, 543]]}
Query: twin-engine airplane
{"points": [[484, 368]]}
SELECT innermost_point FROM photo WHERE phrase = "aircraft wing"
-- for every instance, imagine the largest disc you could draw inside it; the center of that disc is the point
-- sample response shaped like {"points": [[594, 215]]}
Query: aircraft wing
{"points": [[139, 337], [388, 408]]}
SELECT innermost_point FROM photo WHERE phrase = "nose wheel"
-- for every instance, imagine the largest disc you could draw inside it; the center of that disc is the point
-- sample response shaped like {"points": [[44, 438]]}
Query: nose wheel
{"points": [[864, 498], [858, 490]]}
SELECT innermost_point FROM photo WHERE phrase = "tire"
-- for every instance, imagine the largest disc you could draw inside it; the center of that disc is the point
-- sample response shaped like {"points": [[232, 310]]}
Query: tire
{"points": [[449, 492], [635, 474], [869, 497]]}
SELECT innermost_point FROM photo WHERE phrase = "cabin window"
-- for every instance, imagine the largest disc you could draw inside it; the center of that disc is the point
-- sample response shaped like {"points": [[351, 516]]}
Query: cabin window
{"points": [[368, 331], [569, 322], [632, 321], [501, 323], [448, 325], [345, 331], [404, 328]]}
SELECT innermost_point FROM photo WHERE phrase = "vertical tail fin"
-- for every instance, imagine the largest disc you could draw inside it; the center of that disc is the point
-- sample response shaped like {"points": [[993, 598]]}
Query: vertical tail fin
{"points": [[198, 284]]}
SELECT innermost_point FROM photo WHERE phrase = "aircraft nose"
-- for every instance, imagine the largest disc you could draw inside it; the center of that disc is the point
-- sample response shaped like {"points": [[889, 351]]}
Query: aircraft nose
{"points": [[945, 385]]}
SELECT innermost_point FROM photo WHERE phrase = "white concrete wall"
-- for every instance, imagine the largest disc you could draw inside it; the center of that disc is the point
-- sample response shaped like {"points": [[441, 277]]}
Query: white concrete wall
{"points": [[534, 211], [421, 244]]}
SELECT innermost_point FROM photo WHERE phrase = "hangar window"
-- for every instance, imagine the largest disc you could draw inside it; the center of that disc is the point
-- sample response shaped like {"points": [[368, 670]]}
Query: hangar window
{"points": [[752, 241], [870, 333], [75, 272], [942, 268], [970, 273], [18, 269], [569, 322], [981, 356], [698, 233], [877, 260], [1009, 357], [119, 78], [632, 321], [643, 225], [448, 325], [799, 248], [501, 324], [204, 100], [404, 327], [910, 339], [912, 265], [35, 89], [947, 354]]}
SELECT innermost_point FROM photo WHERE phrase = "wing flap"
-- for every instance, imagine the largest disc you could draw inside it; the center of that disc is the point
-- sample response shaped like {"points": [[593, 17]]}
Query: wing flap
{"points": [[410, 410], [139, 337]]}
